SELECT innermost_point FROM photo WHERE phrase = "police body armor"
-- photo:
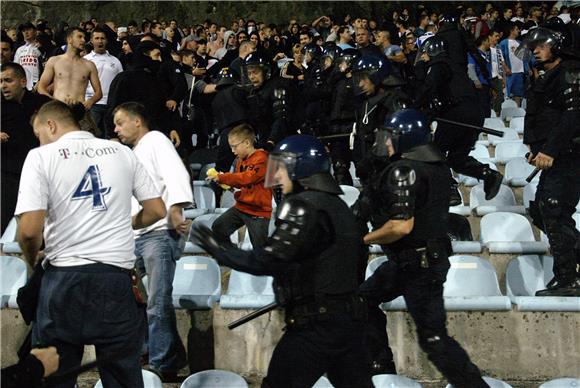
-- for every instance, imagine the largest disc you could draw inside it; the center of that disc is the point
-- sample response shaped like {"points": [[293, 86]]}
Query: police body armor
{"points": [[268, 108], [342, 112], [552, 93], [326, 281]]}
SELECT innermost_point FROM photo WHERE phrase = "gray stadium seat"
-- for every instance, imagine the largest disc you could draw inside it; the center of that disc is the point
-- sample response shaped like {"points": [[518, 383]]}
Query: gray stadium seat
{"points": [[13, 276], [12, 248], [508, 150], [192, 214], [494, 123], [214, 378], [517, 170], [517, 123], [460, 234], [192, 249], [480, 152], [323, 382], [9, 234], [203, 196], [226, 201], [503, 232], [247, 291], [394, 381], [529, 273], [462, 209], [197, 283], [150, 380], [509, 103], [350, 194], [530, 192], [509, 113], [472, 285], [398, 303], [493, 383], [504, 201], [565, 382], [509, 134]]}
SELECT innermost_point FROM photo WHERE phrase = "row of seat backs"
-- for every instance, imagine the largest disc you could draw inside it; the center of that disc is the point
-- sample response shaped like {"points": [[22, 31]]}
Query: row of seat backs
{"points": [[214, 378]]}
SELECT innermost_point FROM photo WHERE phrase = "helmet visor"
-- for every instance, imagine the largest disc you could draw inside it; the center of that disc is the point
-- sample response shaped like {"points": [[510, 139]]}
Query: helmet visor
{"points": [[536, 37], [280, 168]]}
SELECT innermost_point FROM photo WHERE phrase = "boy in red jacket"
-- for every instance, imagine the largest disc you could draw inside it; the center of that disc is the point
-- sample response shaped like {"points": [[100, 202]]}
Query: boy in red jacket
{"points": [[253, 206]]}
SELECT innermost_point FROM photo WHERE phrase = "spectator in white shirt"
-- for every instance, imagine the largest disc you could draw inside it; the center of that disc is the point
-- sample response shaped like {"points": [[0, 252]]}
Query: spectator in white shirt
{"points": [[28, 55]]}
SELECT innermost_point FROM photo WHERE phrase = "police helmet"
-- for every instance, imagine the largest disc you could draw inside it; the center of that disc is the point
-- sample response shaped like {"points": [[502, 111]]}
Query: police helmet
{"points": [[434, 46], [311, 52], [407, 129], [255, 60], [225, 78], [306, 161], [449, 19], [370, 67], [346, 58], [554, 37]]}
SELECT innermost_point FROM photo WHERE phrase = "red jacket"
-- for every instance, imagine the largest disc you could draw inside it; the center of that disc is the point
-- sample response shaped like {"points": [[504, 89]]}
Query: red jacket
{"points": [[252, 198]]}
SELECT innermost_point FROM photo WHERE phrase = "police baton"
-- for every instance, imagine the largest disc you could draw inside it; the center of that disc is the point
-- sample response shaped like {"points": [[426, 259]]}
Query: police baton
{"points": [[333, 136], [534, 173], [489, 131], [247, 318]]}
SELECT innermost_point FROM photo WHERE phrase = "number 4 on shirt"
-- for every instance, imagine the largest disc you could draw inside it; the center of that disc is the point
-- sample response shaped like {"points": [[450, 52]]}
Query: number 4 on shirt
{"points": [[91, 187]]}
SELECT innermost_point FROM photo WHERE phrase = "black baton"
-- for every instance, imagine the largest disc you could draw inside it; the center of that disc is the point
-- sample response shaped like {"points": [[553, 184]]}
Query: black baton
{"points": [[534, 173], [489, 131], [245, 319], [333, 136]]}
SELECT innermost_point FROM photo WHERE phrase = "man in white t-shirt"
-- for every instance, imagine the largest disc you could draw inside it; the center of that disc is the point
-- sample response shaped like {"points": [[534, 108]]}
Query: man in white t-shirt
{"points": [[108, 67], [79, 189], [28, 55], [159, 246]]}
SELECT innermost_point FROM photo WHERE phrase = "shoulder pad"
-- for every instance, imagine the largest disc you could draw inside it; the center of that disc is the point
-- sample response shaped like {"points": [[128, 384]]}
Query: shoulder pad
{"points": [[572, 76], [402, 176], [279, 93], [291, 231], [293, 210]]}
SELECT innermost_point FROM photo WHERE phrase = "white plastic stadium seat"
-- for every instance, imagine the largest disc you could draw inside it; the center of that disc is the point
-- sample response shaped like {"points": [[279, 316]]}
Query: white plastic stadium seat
{"points": [[460, 209], [394, 381], [517, 123], [9, 234], [350, 194], [197, 283], [509, 113], [398, 303], [509, 103], [494, 123], [480, 153], [517, 170], [323, 382], [247, 291], [203, 196], [226, 201], [355, 179], [565, 382], [13, 276], [530, 192], [504, 201], [506, 151], [214, 378], [150, 380], [509, 233], [493, 383], [509, 134], [529, 273]]}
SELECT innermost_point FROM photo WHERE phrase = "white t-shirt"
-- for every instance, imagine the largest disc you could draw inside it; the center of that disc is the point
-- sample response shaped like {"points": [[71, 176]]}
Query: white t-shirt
{"points": [[28, 56], [156, 152], [85, 185], [108, 67], [516, 64]]}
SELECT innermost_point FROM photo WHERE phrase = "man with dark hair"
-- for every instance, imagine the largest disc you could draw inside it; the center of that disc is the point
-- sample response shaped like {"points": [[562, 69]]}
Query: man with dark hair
{"points": [[305, 38], [345, 37], [78, 189], [160, 245], [28, 55], [17, 137], [69, 74], [6, 48]]}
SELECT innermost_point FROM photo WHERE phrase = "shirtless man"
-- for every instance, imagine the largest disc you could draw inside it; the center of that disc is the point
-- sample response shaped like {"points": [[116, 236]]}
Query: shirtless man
{"points": [[69, 74]]}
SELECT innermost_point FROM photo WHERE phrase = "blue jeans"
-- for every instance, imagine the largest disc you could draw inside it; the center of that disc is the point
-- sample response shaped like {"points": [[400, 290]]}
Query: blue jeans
{"points": [[157, 252], [91, 304]]}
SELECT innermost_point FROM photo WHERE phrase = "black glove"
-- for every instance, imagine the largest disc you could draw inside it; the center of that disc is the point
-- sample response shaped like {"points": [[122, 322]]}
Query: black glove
{"points": [[208, 240]]}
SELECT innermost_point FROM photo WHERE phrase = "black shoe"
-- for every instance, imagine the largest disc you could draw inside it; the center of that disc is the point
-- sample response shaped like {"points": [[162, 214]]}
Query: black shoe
{"points": [[561, 288], [455, 199], [383, 367], [491, 182]]}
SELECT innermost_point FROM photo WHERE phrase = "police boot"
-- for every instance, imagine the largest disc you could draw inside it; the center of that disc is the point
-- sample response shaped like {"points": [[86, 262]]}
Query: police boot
{"points": [[491, 182], [558, 287], [455, 198]]}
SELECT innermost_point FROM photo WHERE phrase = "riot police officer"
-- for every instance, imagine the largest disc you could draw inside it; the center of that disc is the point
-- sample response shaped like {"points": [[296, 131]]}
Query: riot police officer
{"points": [[552, 132], [378, 101], [410, 222], [447, 92], [313, 256], [268, 101], [315, 92]]}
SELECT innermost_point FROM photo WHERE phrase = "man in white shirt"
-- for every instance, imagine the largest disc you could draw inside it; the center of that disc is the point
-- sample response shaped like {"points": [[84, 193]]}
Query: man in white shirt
{"points": [[28, 55], [79, 189], [108, 67], [159, 246]]}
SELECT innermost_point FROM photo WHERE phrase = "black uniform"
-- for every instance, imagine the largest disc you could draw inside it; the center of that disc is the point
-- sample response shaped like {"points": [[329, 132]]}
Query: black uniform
{"points": [[550, 127], [313, 256], [416, 187], [448, 93]]}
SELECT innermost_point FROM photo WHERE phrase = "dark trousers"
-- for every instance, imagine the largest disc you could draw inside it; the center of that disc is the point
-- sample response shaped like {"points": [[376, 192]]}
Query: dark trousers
{"points": [[93, 305], [9, 196], [225, 156], [99, 113], [484, 99], [336, 347], [341, 157], [233, 219], [551, 211], [456, 141], [423, 292]]}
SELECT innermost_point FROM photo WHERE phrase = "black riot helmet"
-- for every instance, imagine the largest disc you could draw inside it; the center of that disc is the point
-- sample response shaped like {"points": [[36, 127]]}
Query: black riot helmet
{"points": [[370, 67], [435, 46], [406, 129], [346, 58], [554, 34], [311, 52], [330, 52], [255, 61], [225, 78], [449, 19]]}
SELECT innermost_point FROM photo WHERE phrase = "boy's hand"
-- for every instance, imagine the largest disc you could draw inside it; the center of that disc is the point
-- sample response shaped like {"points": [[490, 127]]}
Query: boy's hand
{"points": [[212, 178]]}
